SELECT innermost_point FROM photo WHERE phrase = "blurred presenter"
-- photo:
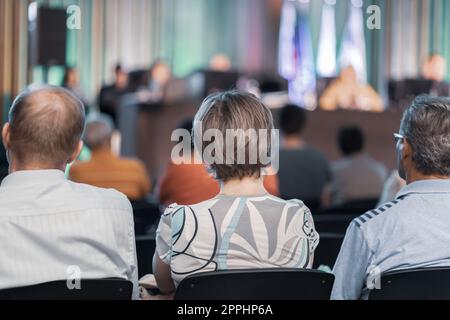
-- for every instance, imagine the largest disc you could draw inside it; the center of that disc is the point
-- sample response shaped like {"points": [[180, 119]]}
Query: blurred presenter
{"points": [[347, 93]]}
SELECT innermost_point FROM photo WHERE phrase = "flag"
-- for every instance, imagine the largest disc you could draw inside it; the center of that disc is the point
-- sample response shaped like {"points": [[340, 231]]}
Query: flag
{"points": [[353, 48], [326, 59], [296, 58]]}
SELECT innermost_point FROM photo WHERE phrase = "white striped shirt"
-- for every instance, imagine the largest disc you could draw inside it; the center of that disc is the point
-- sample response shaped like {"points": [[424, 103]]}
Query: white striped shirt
{"points": [[50, 226]]}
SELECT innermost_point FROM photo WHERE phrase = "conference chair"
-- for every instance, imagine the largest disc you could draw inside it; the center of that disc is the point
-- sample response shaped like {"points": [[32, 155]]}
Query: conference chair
{"points": [[257, 284], [145, 248], [90, 289], [328, 249], [355, 207], [414, 284], [331, 223], [146, 215]]}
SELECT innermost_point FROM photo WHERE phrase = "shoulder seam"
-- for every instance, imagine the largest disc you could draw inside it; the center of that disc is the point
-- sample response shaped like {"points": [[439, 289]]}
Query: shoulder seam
{"points": [[369, 215]]}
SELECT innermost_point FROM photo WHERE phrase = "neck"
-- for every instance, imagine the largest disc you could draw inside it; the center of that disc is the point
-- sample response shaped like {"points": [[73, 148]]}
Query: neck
{"points": [[13, 167], [103, 149], [248, 186], [355, 154], [293, 142]]}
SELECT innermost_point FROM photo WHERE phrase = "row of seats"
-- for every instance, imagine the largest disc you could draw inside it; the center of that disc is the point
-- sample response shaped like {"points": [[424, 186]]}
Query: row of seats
{"points": [[256, 284]]}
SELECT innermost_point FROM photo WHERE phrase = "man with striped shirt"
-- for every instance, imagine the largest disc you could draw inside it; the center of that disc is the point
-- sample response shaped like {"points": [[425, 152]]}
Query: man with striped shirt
{"points": [[52, 228], [413, 230]]}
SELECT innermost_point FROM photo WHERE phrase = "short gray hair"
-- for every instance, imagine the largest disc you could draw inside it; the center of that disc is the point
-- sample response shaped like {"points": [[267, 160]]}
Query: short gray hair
{"points": [[98, 132], [426, 126]]}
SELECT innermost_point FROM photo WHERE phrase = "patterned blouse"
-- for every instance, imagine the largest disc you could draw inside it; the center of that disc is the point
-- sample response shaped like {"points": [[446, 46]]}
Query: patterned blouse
{"points": [[229, 232]]}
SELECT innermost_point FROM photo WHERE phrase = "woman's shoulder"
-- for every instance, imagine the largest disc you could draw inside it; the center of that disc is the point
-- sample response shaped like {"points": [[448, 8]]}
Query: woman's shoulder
{"points": [[198, 207], [290, 202]]}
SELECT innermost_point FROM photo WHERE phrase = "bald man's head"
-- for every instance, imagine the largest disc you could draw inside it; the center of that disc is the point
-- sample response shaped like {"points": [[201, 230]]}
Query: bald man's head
{"points": [[45, 126]]}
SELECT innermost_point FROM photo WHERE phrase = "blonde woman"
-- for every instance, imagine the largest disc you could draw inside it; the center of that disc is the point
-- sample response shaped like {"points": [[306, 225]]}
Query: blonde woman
{"points": [[243, 227]]}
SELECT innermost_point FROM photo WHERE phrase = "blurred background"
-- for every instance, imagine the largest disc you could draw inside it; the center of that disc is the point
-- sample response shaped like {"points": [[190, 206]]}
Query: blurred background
{"points": [[149, 63]]}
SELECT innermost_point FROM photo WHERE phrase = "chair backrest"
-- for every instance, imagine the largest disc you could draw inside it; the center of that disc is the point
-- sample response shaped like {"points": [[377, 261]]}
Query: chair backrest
{"points": [[145, 215], [414, 284], [328, 249], [90, 289], [257, 284], [333, 223], [145, 248]]}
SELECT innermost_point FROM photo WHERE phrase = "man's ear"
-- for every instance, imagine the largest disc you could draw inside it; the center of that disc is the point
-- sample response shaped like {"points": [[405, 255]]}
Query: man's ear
{"points": [[407, 150], [77, 152], [5, 135]]}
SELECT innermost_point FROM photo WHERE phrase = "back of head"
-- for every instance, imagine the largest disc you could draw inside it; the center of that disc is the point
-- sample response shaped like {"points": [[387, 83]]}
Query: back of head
{"points": [[426, 126], [98, 132], [234, 116], [293, 119], [350, 140], [46, 124]]}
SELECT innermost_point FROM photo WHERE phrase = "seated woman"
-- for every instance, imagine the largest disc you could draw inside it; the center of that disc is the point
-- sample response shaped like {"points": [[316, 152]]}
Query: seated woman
{"points": [[243, 227]]}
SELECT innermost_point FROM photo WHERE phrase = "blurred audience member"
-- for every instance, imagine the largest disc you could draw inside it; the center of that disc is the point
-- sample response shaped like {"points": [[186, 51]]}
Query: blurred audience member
{"points": [[346, 93], [413, 230], [160, 74], [105, 169], [357, 176], [110, 95], [220, 62], [189, 183], [391, 187], [3, 162], [71, 82], [304, 171], [48, 223], [240, 227], [434, 69]]}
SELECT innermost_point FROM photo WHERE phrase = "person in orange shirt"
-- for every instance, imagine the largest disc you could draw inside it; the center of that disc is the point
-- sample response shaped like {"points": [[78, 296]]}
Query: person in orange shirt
{"points": [[105, 169], [189, 183]]}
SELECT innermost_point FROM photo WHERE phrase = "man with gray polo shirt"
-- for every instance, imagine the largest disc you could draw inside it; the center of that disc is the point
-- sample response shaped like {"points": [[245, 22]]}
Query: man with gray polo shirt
{"points": [[413, 231]]}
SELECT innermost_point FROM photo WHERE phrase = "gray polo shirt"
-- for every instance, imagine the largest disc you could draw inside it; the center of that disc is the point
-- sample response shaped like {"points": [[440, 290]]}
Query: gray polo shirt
{"points": [[411, 232]]}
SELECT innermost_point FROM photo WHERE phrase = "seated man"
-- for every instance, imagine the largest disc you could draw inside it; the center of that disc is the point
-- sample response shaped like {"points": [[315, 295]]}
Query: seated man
{"points": [[304, 172], [357, 176], [347, 93], [434, 69], [413, 230], [110, 95], [106, 170], [50, 226]]}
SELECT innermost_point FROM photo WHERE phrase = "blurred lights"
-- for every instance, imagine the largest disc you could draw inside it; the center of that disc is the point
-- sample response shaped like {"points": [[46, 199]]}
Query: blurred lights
{"points": [[357, 3], [32, 11]]}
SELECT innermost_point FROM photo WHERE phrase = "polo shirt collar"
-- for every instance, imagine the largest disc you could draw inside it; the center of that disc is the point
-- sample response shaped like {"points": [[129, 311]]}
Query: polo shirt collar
{"points": [[32, 177], [426, 186]]}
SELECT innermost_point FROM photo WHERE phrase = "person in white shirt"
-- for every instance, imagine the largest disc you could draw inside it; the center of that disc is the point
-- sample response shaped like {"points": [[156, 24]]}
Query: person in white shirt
{"points": [[52, 228]]}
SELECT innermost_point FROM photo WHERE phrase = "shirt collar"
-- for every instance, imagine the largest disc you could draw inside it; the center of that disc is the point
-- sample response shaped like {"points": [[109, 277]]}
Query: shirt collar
{"points": [[426, 186], [30, 177]]}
